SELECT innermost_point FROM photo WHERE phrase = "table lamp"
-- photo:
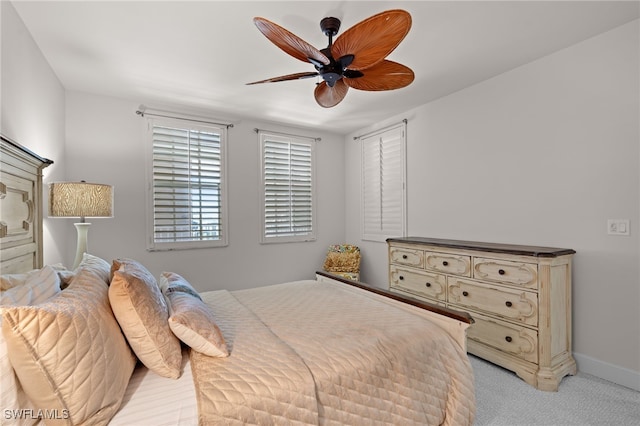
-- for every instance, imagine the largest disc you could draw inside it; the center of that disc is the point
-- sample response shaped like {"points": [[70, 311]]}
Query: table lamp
{"points": [[80, 199]]}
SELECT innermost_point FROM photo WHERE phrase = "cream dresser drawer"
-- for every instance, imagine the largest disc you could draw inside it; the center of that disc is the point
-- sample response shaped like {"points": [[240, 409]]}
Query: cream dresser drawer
{"points": [[433, 286], [519, 297], [510, 304], [516, 340], [408, 257], [506, 272], [448, 263]]}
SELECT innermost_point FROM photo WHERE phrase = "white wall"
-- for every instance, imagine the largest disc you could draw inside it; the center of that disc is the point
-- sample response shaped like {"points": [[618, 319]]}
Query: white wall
{"points": [[106, 144], [32, 110], [541, 155]]}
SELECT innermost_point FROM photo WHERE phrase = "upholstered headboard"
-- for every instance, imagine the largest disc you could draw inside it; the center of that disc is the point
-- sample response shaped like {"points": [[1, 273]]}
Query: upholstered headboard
{"points": [[20, 208]]}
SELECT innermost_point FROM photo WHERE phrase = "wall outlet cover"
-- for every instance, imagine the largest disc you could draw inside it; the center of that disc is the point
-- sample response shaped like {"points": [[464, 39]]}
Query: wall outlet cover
{"points": [[618, 226]]}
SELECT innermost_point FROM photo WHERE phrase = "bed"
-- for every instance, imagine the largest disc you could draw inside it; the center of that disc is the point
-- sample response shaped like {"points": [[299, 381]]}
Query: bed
{"points": [[109, 343]]}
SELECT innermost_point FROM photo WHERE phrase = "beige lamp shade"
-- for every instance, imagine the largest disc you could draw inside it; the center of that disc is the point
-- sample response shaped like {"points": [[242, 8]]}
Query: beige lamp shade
{"points": [[80, 199]]}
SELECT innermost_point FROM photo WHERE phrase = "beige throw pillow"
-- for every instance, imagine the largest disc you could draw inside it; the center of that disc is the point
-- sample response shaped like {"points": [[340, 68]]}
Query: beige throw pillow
{"points": [[69, 353], [96, 264], [142, 313], [190, 318]]}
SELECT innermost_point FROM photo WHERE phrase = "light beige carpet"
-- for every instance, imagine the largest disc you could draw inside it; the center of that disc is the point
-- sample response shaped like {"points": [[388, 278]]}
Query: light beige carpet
{"points": [[503, 399]]}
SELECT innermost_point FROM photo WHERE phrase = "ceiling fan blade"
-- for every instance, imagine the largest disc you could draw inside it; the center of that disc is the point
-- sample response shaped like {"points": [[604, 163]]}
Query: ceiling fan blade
{"points": [[371, 40], [289, 42], [327, 96], [387, 75], [296, 76]]}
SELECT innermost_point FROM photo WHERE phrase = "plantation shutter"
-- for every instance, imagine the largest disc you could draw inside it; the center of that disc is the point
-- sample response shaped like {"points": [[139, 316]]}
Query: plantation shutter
{"points": [[288, 189], [187, 187], [383, 184]]}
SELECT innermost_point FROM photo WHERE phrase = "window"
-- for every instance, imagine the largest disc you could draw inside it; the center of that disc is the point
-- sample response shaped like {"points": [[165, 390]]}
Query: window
{"points": [[187, 193], [383, 184], [288, 188]]}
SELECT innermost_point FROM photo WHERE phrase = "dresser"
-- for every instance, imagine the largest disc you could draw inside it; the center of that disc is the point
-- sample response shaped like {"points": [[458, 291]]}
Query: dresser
{"points": [[519, 297]]}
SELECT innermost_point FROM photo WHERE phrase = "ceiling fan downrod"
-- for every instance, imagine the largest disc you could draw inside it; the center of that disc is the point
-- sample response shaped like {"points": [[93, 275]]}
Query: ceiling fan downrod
{"points": [[330, 27]]}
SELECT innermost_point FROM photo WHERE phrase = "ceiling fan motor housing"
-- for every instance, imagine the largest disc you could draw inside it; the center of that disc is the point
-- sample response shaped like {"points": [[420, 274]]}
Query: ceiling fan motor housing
{"points": [[336, 69]]}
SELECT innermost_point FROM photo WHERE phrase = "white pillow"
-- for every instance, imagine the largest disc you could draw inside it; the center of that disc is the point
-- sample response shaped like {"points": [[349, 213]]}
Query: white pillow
{"points": [[190, 319], [38, 287], [8, 281]]}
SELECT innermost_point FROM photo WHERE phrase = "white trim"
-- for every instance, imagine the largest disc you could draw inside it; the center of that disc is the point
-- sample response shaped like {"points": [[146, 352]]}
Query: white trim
{"points": [[224, 222], [604, 370], [381, 235], [263, 136]]}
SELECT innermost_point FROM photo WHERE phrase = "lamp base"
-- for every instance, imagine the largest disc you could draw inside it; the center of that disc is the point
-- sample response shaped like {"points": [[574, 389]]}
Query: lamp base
{"points": [[81, 246]]}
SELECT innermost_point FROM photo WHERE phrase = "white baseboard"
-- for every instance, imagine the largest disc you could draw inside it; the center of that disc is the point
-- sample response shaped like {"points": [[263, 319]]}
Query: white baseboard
{"points": [[613, 373]]}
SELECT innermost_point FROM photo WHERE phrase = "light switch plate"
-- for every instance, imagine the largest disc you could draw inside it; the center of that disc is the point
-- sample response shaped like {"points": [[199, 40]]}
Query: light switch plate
{"points": [[618, 226]]}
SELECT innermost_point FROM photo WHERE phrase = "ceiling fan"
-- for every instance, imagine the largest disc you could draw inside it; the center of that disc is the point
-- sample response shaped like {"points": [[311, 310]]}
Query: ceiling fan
{"points": [[356, 59]]}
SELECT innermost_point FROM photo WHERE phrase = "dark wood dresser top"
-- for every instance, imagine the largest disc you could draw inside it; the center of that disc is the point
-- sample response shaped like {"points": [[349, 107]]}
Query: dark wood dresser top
{"points": [[490, 247]]}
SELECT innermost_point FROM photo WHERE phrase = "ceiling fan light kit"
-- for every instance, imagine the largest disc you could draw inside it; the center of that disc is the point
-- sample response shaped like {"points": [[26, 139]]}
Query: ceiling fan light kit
{"points": [[356, 59]]}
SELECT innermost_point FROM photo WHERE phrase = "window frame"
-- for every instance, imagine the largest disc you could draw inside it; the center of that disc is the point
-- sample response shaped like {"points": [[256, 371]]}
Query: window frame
{"points": [[265, 137], [188, 125], [399, 227]]}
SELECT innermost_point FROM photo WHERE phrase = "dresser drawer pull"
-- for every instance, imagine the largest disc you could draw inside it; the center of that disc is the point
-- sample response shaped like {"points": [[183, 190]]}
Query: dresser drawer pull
{"points": [[445, 263], [465, 293], [401, 278], [508, 339], [501, 271], [428, 284], [404, 256], [509, 304]]}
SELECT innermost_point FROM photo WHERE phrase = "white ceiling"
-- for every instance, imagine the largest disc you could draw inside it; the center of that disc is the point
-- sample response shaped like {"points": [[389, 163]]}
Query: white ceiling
{"points": [[199, 55]]}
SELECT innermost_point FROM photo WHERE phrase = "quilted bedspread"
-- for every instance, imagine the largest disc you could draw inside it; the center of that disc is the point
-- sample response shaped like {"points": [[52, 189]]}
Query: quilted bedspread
{"points": [[293, 361]]}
